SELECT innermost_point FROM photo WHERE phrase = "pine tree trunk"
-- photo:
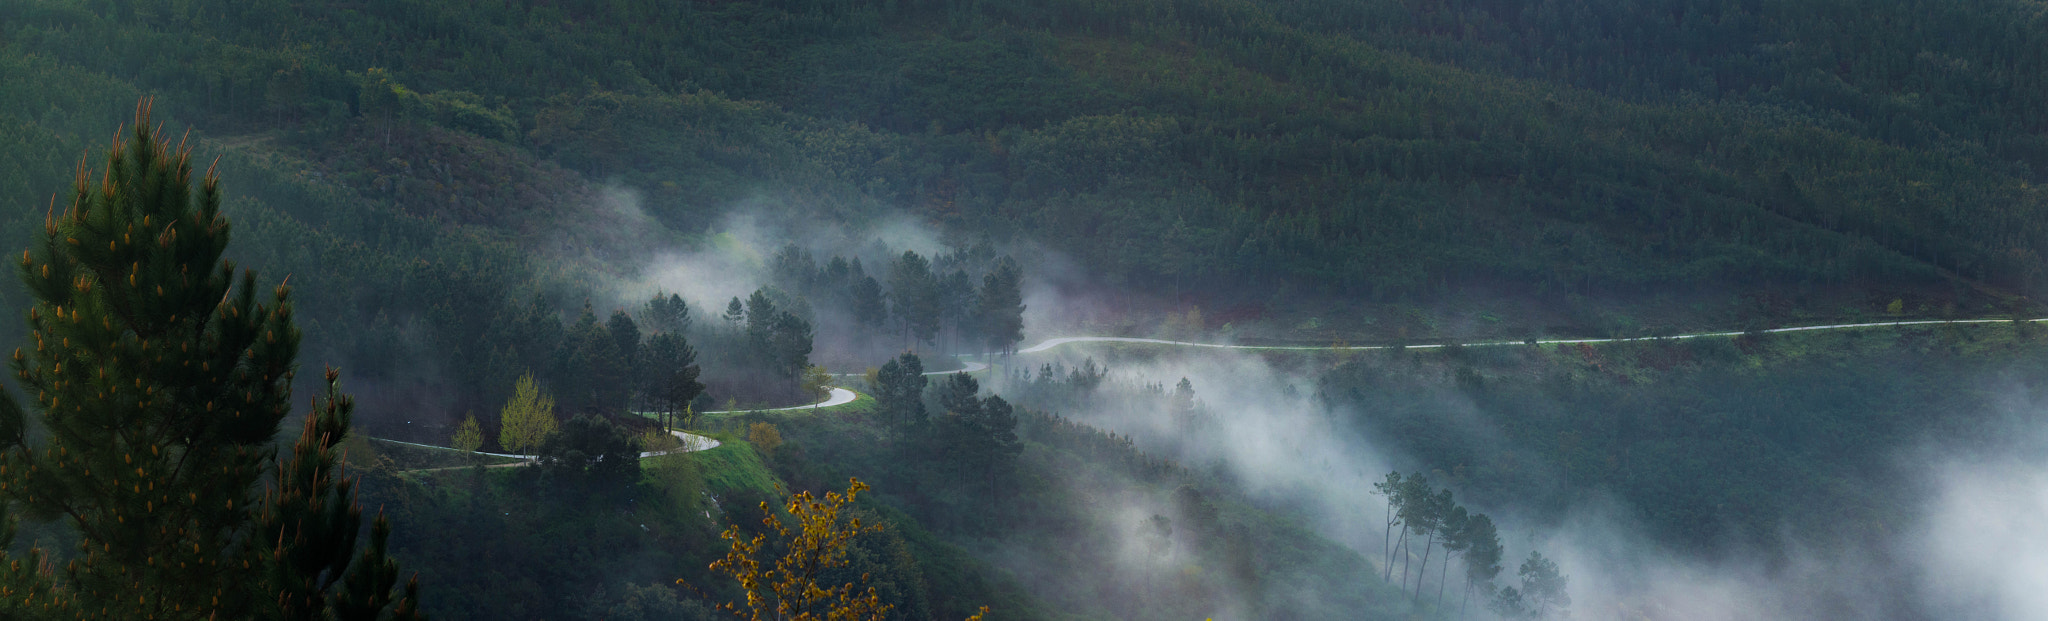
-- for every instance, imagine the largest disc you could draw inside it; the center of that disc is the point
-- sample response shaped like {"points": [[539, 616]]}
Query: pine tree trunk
{"points": [[1407, 555], [1443, 579], [1394, 555], [1387, 542], [1468, 598], [1422, 573]]}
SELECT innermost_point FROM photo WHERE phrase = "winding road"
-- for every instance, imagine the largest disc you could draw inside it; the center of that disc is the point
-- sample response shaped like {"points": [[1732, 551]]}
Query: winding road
{"points": [[691, 443], [841, 396], [838, 396]]}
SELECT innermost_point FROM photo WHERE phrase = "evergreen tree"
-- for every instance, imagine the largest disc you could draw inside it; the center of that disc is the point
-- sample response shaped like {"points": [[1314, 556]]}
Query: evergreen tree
{"points": [[1456, 527], [735, 314], [957, 307], [667, 313], [779, 340], [760, 314], [159, 381], [957, 396], [1000, 309], [1541, 596], [625, 338], [1482, 556], [1414, 511], [1182, 407], [835, 281], [672, 371], [793, 269], [593, 372], [915, 291], [952, 433], [790, 343], [1431, 515], [1392, 489], [996, 443], [1543, 588], [870, 307], [311, 508], [977, 436], [899, 395]]}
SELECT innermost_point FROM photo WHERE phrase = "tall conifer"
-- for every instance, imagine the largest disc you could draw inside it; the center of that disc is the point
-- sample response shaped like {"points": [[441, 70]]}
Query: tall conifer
{"points": [[159, 381]]}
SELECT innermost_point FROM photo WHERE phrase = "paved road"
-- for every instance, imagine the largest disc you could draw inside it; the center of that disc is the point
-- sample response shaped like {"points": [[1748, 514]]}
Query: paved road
{"points": [[967, 366], [691, 443], [1056, 342], [842, 396], [838, 396]]}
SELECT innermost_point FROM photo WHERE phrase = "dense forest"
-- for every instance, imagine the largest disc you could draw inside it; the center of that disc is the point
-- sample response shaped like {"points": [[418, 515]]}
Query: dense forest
{"points": [[1380, 151]]}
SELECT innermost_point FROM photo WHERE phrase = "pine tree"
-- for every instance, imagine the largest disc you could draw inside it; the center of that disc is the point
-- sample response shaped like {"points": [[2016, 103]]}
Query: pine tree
{"points": [[1182, 407], [1393, 489], [899, 395], [312, 507], [1000, 311], [793, 269], [669, 314], [625, 338], [958, 307], [870, 307], [672, 371], [977, 436], [159, 382], [916, 294], [735, 313], [1482, 556], [591, 372]]}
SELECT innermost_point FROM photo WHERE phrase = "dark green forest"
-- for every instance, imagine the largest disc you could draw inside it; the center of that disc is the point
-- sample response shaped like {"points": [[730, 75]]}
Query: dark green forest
{"points": [[1376, 151]]}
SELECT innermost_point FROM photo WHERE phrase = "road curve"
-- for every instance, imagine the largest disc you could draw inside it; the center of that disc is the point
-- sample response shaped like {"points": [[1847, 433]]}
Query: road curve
{"points": [[838, 396], [691, 443]]}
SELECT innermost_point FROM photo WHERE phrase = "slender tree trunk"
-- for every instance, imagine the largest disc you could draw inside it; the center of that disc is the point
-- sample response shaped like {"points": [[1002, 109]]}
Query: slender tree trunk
{"points": [[1422, 573], [1407, 555], [1387, 542], [1468, 598], [1391, 552], [1443, 578]]}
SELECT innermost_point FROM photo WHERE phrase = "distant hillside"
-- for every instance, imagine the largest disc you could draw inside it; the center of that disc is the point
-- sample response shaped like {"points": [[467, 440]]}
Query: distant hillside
{"points": [[1377, 150]]}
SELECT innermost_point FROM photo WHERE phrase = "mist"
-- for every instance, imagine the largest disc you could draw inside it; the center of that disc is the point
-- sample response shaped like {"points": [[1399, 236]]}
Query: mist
{"points": [[1974, 544]]}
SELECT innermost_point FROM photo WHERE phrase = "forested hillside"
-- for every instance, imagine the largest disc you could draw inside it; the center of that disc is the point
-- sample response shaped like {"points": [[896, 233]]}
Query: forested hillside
{"points": [[1365, 150]]}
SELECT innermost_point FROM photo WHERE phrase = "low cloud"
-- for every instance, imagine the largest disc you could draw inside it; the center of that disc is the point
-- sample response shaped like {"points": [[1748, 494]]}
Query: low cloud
{"points": [[1976, 548], [1984, 540]]}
